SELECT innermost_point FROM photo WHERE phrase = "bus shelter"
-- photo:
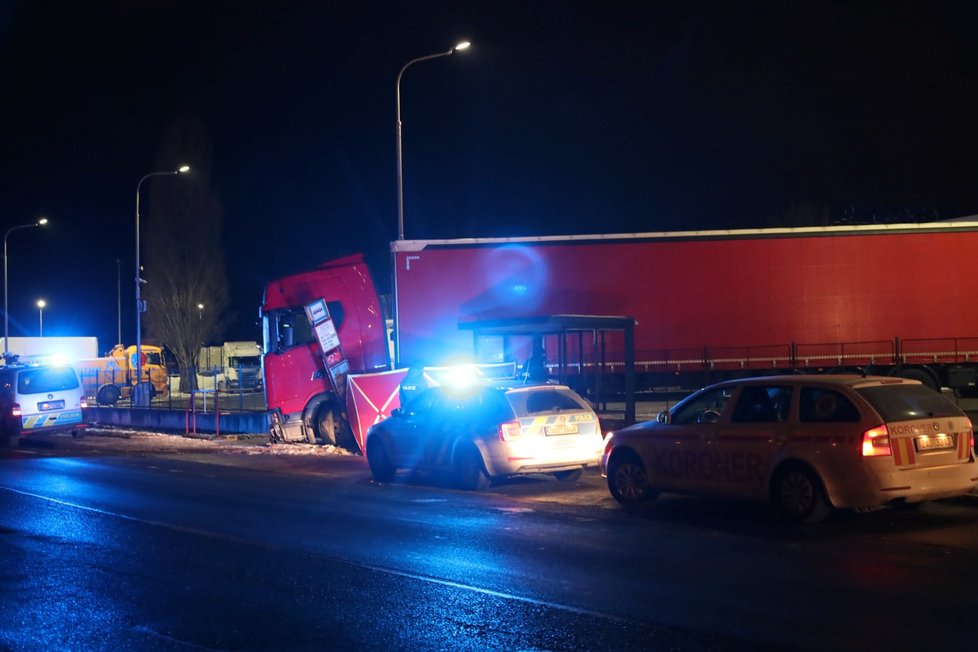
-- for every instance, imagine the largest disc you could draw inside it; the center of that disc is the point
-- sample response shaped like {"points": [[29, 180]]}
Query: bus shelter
{"points": [[581, 335]]}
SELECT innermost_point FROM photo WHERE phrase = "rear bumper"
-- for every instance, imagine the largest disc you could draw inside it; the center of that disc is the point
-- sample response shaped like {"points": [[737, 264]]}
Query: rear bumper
{"points": [[68, 427], [880, 487]]}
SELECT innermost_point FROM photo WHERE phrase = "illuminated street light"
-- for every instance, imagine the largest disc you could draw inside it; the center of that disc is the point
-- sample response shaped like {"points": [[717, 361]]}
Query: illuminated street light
{"points": [[200, 311], [141, 397], [400, 171], [6, 321], [40, 317]]}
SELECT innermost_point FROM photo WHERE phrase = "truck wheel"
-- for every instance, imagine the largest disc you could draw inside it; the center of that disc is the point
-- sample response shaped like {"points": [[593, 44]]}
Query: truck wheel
{"points": [[799, 495], [326, 424], [469, 470], [379, 460], [107, 395], [922, 375]]}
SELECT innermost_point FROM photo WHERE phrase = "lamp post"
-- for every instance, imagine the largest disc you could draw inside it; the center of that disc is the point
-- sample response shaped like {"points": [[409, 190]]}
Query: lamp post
{"points": [[140, 396], [118, 296], [40, 317], [400, 178], [6, 321]]}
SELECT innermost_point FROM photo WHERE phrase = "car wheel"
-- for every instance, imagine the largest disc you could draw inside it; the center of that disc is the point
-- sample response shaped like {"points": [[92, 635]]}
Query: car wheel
{"points": [[326, 425], [800, 497], [380, 461], [469, 471], [108, 395], [569, 476], [628, 480], [9, 441]]}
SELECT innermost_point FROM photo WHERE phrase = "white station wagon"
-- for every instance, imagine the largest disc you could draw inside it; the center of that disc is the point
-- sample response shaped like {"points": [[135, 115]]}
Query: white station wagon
{"points": [[808, 443]]}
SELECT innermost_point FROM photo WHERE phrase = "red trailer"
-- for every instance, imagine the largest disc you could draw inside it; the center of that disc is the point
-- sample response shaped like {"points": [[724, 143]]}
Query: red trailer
{"points": [[707, 305], [699, 307]]}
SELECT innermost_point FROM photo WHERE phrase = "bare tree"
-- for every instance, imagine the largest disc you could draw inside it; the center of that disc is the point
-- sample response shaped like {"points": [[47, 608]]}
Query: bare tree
{"points": [[187, 289]]}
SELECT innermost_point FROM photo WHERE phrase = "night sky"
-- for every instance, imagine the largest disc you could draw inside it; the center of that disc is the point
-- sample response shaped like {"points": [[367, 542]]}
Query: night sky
{"points": [[562, 118]]}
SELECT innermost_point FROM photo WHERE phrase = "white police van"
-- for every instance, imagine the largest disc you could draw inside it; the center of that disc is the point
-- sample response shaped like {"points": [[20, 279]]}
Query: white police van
{"points": [[39, 398]]}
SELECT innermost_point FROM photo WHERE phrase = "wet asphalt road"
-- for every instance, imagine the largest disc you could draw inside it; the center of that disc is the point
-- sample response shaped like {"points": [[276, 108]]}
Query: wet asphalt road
{"points": [[181, 550]]}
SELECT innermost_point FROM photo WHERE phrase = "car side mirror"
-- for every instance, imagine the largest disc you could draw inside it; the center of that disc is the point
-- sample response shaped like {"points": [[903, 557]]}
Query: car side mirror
{"points": [[396, 412], [663, 417]]}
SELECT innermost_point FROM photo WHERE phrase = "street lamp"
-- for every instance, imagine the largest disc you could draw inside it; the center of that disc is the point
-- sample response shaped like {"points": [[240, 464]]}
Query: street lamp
{"points": [[400, 179], [142, 399], [6, 321], [200, 312], [40, 317]]}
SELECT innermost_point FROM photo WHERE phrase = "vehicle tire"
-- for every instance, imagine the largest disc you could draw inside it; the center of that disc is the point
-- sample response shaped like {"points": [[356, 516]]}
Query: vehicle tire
{"points": [[326, 424], [346, 440], [108, 395], [799, 495], [8, 441], [628, 480], [380, 461], [572, 475], [470, 473]]}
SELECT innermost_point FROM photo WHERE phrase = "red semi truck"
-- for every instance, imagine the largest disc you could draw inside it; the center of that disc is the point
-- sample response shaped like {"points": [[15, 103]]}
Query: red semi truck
{"points": [[707, 305]]}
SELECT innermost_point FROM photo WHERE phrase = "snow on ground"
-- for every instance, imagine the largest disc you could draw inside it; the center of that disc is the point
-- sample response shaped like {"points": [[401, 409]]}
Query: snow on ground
{"points": [[126, 440]]}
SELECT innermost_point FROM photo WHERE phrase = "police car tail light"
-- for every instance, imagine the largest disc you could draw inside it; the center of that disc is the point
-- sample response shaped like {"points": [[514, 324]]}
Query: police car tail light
{"points": [[83, 403], [510, 430], [15, 410], [876, 441]]}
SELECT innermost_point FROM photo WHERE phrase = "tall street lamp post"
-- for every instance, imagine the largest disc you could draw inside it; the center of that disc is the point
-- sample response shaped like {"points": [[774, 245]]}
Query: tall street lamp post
{"points": [[118, 296], [40, 317], [400, 178], [400, 173], [141, 395], [6, 321]]}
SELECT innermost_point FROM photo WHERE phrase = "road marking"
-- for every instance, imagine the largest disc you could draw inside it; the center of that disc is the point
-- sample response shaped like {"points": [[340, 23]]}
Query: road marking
{"points": [[350, 562]]}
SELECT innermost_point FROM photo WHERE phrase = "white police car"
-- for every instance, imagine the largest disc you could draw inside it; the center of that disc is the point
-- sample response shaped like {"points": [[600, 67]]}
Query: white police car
{"points": [[481, 432], [808, 443]]}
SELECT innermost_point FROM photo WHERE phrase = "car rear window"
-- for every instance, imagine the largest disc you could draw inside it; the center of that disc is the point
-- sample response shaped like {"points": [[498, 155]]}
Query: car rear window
{"points": [[46, 380], [544, 400], [907, 402]]}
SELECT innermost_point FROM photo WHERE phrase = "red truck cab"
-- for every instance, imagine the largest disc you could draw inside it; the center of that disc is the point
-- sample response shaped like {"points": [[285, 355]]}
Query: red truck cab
{"points": [[304, 404]]}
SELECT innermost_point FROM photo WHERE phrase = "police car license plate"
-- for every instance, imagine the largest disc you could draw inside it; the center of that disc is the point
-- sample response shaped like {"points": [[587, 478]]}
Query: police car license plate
{"points": [[561, 429], [51, 405], [935, 442]]}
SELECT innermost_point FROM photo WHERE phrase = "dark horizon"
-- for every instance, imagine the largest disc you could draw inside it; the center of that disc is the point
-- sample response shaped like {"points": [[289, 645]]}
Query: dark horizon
{"points": [[562, 118]]}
